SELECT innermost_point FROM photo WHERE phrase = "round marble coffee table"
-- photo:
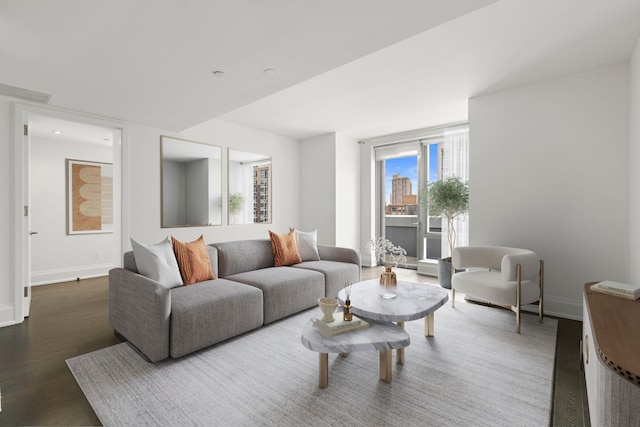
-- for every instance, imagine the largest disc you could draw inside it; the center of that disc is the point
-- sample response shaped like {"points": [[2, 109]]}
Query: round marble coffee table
{"points": [[413, 301], [381, 336]]}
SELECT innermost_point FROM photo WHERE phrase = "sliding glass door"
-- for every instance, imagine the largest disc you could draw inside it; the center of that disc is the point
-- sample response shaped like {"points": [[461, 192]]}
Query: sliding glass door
{"points": [[401, 210], [403, 172], [431, 228]]}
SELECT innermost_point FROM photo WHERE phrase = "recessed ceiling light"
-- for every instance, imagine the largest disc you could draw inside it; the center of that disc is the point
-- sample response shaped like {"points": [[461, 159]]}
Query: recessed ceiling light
{"points": [[218, 73], [57, 132], [271, 72]]}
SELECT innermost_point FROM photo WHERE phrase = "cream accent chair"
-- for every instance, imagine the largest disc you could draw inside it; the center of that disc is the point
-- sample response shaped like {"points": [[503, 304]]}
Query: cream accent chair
{"points": [[507, 277]]}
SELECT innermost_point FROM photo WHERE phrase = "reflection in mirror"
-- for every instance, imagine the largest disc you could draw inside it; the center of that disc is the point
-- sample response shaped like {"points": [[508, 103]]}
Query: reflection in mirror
{"points": [[191, 183], [249, 188]]}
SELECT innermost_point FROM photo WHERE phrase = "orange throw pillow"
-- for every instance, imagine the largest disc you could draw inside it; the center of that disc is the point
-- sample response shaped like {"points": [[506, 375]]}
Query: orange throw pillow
{"points": [[285, 249], [193, 260]]}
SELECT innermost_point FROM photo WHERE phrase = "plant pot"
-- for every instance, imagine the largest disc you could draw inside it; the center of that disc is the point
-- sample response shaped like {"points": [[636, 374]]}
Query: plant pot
{"points": [[444, 272]]}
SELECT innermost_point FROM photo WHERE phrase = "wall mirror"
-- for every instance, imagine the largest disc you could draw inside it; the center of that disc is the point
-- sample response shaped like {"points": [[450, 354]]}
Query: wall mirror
{"points": [[250, 189], [191, 189]]}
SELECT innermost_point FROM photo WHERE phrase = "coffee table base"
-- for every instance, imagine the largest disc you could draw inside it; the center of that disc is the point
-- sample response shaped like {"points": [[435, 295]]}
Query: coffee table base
{"points": [[429, 325], [429, 331], [386, 374], [379, 336]]}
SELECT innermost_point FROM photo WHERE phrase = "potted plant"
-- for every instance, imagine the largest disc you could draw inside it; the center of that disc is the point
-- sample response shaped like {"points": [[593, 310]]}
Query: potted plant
{"points": [[236, 200], [447, 198]]}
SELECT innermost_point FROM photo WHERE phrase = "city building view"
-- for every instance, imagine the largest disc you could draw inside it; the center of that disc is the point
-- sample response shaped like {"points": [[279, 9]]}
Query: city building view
{"points": [[403, 201], [261, 193]]}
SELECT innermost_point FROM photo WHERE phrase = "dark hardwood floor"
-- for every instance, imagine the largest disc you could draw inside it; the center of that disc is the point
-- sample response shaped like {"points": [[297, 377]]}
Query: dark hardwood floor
{"points": [[70, 319], [67, 319]]}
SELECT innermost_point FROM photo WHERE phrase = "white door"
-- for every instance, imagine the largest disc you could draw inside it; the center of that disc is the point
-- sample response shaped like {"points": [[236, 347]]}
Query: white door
{"points": [[26, 147]]}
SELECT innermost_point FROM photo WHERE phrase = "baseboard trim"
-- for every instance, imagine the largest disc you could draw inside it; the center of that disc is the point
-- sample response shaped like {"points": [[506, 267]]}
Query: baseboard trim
{"points": [[47, 277], [566, 308], [7, 315]]}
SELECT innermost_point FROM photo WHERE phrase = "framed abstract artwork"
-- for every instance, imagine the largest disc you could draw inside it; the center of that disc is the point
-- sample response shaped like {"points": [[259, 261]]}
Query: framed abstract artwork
{"points": [[89, 197]]}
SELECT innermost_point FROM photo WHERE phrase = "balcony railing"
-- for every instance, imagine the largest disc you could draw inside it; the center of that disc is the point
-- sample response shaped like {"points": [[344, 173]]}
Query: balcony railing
{"points": [[402, 230]]}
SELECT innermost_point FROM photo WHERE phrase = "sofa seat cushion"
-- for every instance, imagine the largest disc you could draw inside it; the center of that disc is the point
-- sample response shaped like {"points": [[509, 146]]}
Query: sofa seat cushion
{"points": [[490, 286], [286, 290], [335, 274], [208, 312]]}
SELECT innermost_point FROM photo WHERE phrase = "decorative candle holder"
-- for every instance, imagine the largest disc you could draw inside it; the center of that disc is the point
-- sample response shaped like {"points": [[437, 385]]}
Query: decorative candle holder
{"points": [[328, 307]]}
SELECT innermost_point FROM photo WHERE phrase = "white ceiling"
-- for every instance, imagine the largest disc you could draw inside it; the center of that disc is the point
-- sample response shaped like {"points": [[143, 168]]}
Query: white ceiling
{"points": [[362, 67], [53, 129]]}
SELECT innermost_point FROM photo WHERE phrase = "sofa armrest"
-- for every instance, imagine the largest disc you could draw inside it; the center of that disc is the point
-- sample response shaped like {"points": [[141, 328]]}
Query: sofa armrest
{"points": [[333, 253], [139, 310]]}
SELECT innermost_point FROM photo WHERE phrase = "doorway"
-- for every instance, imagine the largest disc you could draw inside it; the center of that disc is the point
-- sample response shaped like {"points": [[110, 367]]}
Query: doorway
{"points": [[46, 250], [404, 170], [401, 209]]}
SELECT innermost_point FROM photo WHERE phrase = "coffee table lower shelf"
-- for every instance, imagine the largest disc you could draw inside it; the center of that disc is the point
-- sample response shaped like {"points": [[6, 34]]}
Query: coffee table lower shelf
{"points": [[380, 336]]}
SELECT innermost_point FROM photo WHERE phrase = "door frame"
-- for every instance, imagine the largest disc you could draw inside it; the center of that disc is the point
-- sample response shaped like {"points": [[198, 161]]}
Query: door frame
{"points": [[22, 253], [380, 178]]}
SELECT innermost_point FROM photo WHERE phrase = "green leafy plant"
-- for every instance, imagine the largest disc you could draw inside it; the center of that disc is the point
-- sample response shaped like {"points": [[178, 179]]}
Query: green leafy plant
{"points": [[236, 200], [447, 198]]}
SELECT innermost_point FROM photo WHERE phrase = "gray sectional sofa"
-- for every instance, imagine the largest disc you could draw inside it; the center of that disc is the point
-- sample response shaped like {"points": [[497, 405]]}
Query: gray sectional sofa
{"points": [[248, 292]]}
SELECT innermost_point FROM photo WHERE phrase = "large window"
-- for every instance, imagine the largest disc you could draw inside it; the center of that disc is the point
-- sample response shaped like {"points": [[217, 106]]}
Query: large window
{"points": [[403, 170]]}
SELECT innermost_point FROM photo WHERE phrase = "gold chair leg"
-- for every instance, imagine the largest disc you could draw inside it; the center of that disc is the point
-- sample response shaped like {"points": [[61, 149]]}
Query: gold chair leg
{"points": [[541, 283], [453, 297], [518, 296]]}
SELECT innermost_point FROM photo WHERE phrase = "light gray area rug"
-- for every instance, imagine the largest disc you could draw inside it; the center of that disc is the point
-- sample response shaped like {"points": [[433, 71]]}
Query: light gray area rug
{"points": [[476, 371]]}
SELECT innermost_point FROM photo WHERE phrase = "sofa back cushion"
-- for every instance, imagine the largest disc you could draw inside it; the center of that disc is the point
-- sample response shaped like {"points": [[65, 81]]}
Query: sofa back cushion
{"points": [[157, 262], [243, 255], [130, 260], [193, 260]]}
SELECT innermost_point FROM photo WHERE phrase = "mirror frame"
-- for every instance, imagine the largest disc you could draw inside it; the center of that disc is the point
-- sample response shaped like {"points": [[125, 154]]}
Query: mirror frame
{"points": [[248, 158], [164, 139]]}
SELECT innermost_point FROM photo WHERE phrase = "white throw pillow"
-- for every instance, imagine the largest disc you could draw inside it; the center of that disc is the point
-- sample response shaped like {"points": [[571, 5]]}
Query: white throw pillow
{"points": [[158, 262], [307, 242]]}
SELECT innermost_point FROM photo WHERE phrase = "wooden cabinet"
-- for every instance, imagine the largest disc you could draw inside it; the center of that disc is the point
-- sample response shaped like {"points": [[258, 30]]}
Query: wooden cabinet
{"points": [[611, 357]]}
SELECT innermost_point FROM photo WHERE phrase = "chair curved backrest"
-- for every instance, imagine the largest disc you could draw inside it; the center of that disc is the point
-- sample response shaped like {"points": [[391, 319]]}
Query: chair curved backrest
{"points": [[502, 258]]}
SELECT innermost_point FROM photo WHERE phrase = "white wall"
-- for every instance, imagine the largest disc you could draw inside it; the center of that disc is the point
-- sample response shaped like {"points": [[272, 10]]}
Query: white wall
{"points": [[56, 256], [549, 172], [318, 187], [6, 213], [330, 189], [634, 171], [347, 213]]}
